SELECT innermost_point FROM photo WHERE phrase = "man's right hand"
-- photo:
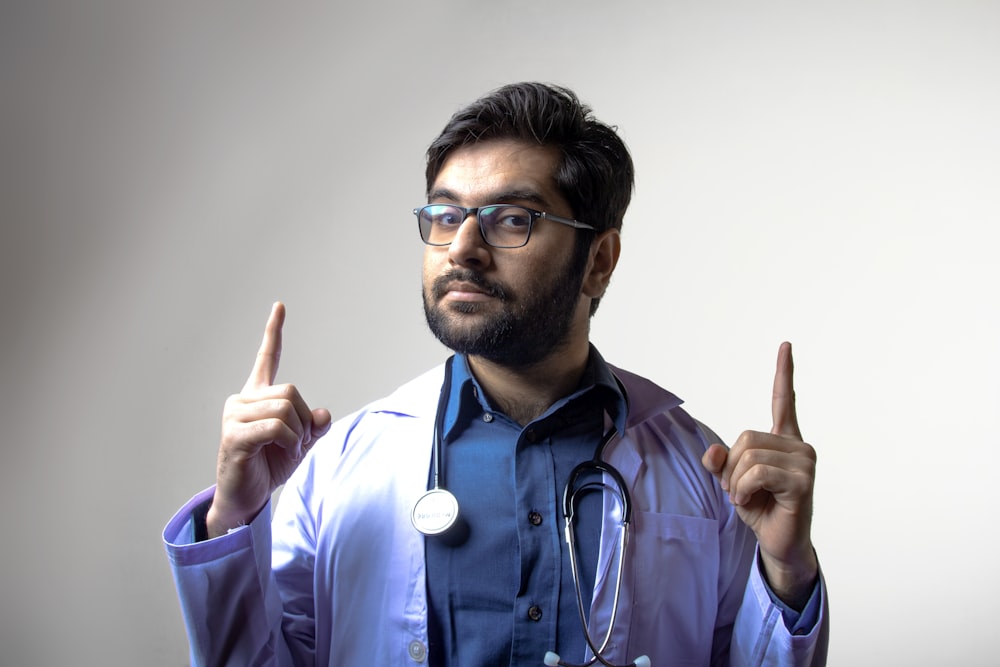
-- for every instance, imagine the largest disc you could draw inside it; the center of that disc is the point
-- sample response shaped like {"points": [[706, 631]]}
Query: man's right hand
{"points": [[266, 430]]}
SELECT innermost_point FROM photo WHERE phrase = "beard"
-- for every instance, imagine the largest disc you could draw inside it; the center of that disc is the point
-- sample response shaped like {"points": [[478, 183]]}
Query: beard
{"points": [[529, 326]]}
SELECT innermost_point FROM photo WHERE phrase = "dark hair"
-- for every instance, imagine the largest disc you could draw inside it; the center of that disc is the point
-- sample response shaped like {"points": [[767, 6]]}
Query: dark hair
{"points": [[595, 173]]}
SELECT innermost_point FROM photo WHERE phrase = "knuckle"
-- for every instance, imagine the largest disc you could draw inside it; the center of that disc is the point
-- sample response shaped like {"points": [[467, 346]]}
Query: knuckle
{"points": [[262, 429], [802, 485], [282, 409], [753, 457], [757, 474], [286, 412], [743, 440], [809, 451], [286, 391], [810, 472], [272, 430]]}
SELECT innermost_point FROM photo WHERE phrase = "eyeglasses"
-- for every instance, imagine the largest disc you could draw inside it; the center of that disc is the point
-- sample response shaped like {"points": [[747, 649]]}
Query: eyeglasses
{"points": [[501, 225]]}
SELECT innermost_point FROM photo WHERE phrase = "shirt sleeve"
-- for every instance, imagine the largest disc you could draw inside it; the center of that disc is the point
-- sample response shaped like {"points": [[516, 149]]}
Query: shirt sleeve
{"points": [[798, 622], [763, 636], [231, 607]]}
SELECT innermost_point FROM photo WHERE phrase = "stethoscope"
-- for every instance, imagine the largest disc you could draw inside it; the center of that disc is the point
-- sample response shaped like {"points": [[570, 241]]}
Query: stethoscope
{"points": [[436, 514]]}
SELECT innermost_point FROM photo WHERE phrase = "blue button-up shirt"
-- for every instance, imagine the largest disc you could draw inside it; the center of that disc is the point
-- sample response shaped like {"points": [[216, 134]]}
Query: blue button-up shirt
{"points": [[509, 481]]}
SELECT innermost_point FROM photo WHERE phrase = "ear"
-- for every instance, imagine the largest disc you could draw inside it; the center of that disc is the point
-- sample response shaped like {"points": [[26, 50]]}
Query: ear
{"points": [[604, 252]]}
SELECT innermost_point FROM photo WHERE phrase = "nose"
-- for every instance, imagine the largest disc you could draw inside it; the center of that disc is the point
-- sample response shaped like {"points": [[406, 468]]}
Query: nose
{"points": [[468, 248]]}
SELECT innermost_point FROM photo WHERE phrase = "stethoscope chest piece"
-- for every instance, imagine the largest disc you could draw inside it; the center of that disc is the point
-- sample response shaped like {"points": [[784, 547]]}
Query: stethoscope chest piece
{"points": [[435, 512]]}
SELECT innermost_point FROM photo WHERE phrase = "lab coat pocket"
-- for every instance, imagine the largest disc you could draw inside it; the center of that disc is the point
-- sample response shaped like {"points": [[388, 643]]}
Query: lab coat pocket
{"points": [[675, 570]]}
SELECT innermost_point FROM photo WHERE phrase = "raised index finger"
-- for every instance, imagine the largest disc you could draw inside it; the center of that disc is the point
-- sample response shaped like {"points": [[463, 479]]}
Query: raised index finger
{"points": [[784, 419], [265, 368]]}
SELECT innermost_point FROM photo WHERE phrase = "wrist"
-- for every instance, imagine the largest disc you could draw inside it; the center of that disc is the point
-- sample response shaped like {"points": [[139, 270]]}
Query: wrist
{"points": [[791, 582], [219, 521], [216, 525]]}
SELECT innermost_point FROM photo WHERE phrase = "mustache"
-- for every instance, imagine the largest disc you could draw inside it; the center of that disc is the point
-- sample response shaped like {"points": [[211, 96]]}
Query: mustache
{"points": [[440, 286]]}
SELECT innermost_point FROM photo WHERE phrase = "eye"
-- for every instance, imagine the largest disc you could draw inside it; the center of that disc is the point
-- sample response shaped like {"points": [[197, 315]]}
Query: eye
{"points": [[445, 216], [510, 217]]}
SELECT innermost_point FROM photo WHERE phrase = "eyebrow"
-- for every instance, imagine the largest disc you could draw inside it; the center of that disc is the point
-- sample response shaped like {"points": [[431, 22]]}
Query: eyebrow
{"points": [[502, 197]]}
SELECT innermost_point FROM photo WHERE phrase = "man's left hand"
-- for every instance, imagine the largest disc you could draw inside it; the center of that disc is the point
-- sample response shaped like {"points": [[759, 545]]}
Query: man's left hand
{"points": [[769, 478]]}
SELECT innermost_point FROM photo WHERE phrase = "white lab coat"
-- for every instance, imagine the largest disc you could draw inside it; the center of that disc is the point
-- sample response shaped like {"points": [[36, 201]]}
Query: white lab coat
{"points": [[338, 577]]}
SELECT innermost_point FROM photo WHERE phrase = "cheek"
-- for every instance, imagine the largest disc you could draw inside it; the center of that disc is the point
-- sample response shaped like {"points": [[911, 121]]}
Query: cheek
{"points": [[430, 270], [426, 281], [428, 264], [543, 270]]}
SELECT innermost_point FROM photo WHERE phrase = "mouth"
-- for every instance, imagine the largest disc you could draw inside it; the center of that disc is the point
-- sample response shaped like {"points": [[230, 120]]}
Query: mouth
{"points": [[463, 291], [468, 287]]}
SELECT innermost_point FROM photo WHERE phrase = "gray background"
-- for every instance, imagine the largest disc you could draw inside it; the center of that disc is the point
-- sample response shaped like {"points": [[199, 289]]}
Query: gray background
{"points": [[820, 172]]}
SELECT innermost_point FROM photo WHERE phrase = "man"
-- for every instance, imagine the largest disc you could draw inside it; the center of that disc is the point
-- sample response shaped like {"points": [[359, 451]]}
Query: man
{"points": [[526, 194]]}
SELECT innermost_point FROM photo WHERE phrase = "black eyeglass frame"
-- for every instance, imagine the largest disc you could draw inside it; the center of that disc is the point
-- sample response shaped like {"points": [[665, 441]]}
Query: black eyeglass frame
{"points": [[466, 212]]}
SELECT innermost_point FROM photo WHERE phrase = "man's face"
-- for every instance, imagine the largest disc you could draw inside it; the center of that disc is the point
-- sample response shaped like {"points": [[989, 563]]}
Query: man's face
{"points": [[511, 306]]}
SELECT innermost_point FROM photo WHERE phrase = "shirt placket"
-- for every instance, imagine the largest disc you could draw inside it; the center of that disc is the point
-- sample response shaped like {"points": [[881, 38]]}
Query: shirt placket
{"points": [[537, 605]]}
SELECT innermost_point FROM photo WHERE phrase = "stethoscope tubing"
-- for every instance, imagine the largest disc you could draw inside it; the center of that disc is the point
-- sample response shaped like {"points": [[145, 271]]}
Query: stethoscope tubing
{"points": [[570, 495], [570, 492]]}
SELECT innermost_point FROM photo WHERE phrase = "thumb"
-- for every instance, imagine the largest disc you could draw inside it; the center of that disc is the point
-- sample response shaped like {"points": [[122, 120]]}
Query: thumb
{"points": [[714, 459], [321, 421]]}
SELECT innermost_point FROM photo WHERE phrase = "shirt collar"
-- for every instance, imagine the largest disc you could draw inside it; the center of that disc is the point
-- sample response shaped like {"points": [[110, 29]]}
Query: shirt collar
{"points": [[466, 398]]}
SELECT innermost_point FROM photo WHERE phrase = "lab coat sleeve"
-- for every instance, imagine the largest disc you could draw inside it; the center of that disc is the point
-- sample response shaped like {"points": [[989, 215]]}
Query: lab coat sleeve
{"points": [[230, 603], [751, 631], [761, 637]]}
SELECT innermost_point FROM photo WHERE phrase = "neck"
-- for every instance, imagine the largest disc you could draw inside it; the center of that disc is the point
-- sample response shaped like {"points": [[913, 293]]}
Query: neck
{"points": [[523, 394]]}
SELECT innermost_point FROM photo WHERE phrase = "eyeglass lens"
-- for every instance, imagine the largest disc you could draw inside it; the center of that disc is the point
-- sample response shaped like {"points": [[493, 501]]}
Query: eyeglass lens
{"points": [[502, 226]]}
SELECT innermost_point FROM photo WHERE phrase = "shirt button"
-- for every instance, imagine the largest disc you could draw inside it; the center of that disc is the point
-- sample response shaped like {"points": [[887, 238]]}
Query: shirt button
{"points": [[531, 436], [417, 650], [534, 518], [535, 613], [488, 417]]}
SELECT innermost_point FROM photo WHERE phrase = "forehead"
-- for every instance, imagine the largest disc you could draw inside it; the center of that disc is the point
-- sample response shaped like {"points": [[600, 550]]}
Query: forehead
{"points": [[498, 167]]}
